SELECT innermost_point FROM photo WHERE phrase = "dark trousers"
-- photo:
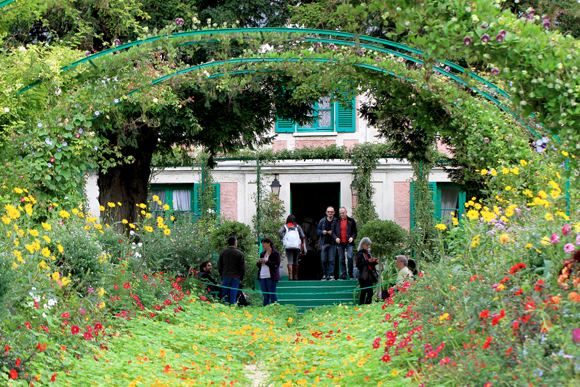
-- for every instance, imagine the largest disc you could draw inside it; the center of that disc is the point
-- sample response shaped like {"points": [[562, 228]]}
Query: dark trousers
{"points": [[366, 295], [269, 289]]}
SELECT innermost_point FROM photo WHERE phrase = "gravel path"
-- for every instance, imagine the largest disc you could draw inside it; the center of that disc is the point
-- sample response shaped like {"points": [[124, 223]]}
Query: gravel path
{"points": [[258, 376]]}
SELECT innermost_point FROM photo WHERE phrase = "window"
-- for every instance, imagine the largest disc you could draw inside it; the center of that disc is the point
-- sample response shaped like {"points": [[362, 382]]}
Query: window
{"points": [[183, 199], [328, 117], [448, 200]]}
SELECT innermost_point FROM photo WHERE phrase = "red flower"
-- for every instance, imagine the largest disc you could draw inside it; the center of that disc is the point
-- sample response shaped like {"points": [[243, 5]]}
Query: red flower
{"points": [[98, 326], [65, 315], [487, 343], [386, 358], [87, 335], [507, 352], [518, 292], [516, 325], [13, 374], [484, 314], [53, 378], [539, 285], [410, 373], [505, 279], [116, 287], [7, 348], [203, 298], [17, 362], [530, 305], [145, 276], [127, 285], [517, 267], [75, 329], [498, 317]]}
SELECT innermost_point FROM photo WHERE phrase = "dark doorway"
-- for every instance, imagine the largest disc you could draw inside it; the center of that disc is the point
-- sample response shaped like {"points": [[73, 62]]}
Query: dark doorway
{"points": [[308, 202]]}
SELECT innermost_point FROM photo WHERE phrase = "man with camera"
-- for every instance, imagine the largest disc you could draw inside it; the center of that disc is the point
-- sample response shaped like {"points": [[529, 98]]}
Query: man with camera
{"points": [[328, 243]]}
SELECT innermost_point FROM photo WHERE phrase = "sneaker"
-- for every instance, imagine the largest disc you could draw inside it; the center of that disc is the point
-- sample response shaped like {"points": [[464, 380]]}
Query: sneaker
{"points": [[331, 278], [342, 277], [324, 278]]}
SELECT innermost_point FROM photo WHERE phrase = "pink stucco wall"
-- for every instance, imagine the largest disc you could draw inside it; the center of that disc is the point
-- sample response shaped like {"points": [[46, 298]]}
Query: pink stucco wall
{"points": [[279, 145], [229, 200], [313, 143], [444, 149], [349, 143], [403, 204]]}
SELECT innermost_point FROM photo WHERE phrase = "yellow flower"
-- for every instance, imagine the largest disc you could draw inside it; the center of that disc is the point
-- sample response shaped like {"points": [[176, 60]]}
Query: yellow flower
{"points": [[125, 221], [155, 198], [55, 276], [167, 231], [46, 226], [477, 206], [577, 227], [18, 190], [45, 252], [505, 171], [566, 154], [493, 172], [64, 214], [483, 172], [43, 265], [508, 188], [542, 194], [101, 305], [14, 265], [119, 204], [528, 193], [110, 204], [131, 225], [504, 238], [148, 228], [523, 163], [12, 211], [455, 221], [441, 227], [563, 215], [142, 206], [549, 216], [546, 241], [395, 372], [509, 212], [65, 281], [143, 212], [100, 292], [528, 246], [36, 246], [98, 226], [515, 171], [473, 214], [172, 218], [5, 219], [28, 208], [148, 215], [166, 207], [87, 227], [101, 208], [504, 218], [75, 211], [60, 248]]}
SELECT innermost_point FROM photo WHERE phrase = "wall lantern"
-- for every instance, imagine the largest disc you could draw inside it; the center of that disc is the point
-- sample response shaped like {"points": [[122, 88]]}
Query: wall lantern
{"points": [[276, 185]]}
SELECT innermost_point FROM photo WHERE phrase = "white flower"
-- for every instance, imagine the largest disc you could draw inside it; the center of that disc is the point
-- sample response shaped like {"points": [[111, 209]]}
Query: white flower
{"points": [[31, 304], [97, 113], [132, 232], [44, 315], [139, 244], [21, 49], [116, 100], [44, 306], [155, 100], [58, 92], [6, 110]]}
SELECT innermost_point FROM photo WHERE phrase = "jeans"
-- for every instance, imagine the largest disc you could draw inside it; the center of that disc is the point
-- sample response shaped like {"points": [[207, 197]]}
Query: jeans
{"points": [[366, 295], [230, 294], [348, 248], [327, 256], [292, 255], [269, 290]]}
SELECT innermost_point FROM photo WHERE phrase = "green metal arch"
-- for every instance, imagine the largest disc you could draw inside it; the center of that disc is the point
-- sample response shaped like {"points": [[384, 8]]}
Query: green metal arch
{"points": [[354, 41], [278, 60], [6, 2]]}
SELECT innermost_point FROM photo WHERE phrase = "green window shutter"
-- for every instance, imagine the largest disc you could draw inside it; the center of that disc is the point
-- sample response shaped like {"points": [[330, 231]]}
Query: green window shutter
{"points": [[413, 206], [285, 126], [462, 200], [345, 117], [216, 197], [436, 195], [197, 198]]}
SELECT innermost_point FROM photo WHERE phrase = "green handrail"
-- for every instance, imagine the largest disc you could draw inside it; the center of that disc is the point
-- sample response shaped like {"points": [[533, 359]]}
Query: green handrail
{"points": [[6, 2]]}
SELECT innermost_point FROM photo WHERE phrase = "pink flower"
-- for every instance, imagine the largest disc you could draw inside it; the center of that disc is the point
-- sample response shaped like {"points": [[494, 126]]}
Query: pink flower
{"points": [[578, 240], [65, 315], [576, 335], [75, 329], [555, 238], [52, 159], [60, 222], [566, 229], [78, 136], [569, 248], [50, 207]]}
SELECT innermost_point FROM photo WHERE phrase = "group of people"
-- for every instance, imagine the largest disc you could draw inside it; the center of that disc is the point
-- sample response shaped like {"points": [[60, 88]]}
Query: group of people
{"points": [[336, 235]]}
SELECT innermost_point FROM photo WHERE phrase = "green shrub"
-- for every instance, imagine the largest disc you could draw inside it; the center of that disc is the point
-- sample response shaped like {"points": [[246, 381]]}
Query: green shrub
{"points": [[387, 237], [6, 276], [82, 257]]}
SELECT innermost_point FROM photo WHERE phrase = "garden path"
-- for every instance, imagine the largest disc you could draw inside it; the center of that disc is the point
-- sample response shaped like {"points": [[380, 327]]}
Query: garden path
{"points": [[260, 347]]}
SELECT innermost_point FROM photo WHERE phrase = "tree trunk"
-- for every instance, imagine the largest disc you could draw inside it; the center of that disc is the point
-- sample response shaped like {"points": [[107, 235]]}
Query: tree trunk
{"points": [[127, 183]]}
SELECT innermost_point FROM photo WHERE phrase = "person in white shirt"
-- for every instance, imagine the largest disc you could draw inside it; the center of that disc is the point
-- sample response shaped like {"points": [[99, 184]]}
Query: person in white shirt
{"points": [[404, 272]]}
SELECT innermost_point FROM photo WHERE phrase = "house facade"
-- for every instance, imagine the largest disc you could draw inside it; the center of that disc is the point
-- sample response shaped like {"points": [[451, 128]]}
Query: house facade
{"points": [[307, 187]]}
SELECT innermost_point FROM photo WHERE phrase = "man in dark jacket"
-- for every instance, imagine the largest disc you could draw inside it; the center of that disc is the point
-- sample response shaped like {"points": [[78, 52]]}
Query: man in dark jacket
{"points": [[206, 277], [327, 240], [345, 234], [232, 268]]}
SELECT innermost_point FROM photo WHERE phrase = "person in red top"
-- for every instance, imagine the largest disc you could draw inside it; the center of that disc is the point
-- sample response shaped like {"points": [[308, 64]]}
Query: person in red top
{"points": [[345, 232]]}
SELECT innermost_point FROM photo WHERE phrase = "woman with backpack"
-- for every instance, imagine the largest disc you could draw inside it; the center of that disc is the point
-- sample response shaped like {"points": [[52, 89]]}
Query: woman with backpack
{"points": [[367, 275], [292, 236]]}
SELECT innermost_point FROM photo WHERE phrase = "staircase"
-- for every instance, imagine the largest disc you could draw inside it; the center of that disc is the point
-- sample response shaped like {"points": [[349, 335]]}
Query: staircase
{"points": [[298, 293]]}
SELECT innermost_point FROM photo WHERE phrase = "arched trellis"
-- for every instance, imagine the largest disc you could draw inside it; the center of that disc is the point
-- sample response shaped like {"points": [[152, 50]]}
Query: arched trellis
{"points": [[349, 39], [6, 2]]}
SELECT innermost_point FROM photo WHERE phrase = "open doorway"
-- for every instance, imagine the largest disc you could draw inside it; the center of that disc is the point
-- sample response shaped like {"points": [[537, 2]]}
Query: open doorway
{"points": [[308, 202]]}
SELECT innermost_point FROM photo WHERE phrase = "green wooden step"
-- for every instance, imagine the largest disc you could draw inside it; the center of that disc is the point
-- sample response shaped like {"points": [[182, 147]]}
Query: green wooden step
{"points": [[329, 297]]}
